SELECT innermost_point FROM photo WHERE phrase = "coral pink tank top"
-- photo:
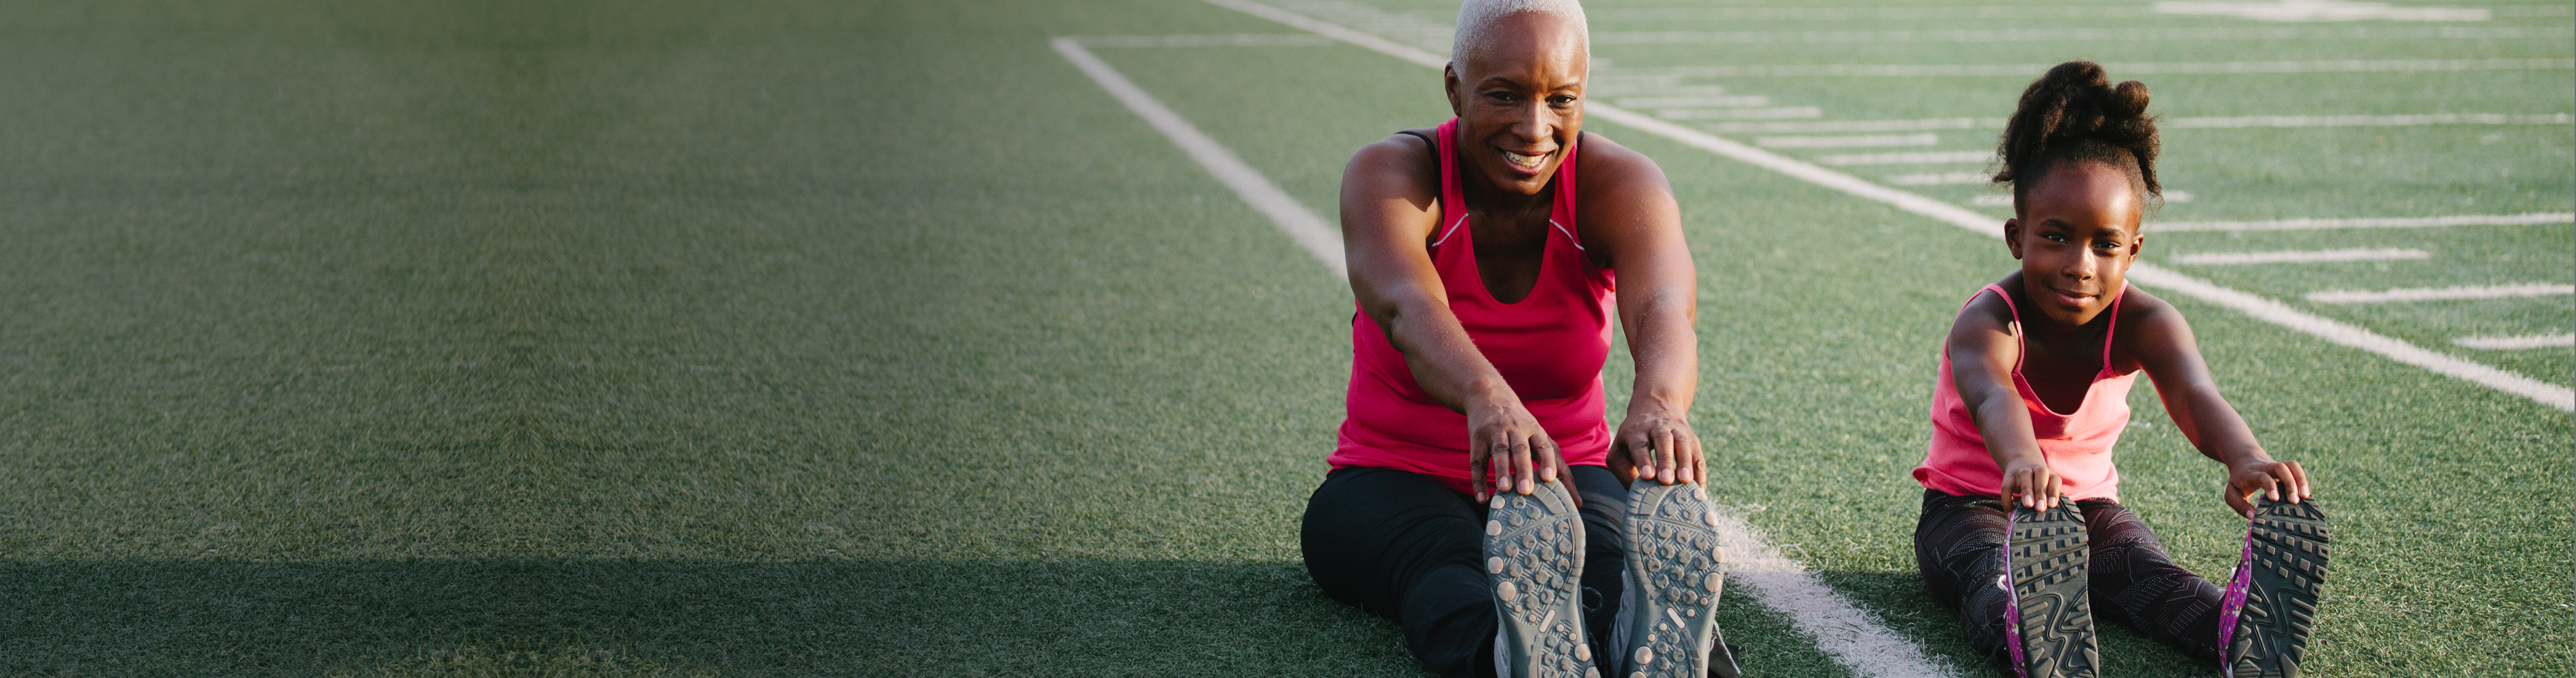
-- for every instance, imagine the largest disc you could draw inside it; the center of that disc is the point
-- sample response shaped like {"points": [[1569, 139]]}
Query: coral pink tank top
{"points": [[2077, 445], [1549, 347]]}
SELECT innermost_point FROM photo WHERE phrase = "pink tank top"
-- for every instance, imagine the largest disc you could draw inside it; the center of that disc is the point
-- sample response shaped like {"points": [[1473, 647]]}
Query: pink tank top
{"points": [[1549, 347], [2077, 445]]}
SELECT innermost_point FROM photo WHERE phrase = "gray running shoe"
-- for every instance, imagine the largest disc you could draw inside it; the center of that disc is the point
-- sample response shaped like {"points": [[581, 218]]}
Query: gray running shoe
{"points": [[2049, 623], [1534, 556], [2272, 601], [1667, 607]]}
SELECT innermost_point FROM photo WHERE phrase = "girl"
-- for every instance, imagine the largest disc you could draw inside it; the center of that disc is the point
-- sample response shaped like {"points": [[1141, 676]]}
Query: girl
{"points": [[2033, 392]]}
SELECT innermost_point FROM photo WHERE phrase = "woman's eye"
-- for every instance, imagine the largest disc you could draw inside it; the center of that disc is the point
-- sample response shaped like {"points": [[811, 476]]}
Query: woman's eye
{"points": [[1502, 97], [1561, 100]]}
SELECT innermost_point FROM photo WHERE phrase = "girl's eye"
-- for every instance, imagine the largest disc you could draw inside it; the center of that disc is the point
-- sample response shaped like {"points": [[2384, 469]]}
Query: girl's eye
{"points": [[2053, 237]]}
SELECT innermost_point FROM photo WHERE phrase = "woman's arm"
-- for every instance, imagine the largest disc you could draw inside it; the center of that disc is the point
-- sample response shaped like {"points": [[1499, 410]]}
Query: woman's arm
{"points": [[2162, 343], [1390, 204], [1982, 351], [1628, 209]]}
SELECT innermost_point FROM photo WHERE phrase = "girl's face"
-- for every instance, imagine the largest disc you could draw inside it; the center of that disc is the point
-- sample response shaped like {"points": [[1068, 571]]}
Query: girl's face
{"points": [[2076, 233], [1519, 101]]}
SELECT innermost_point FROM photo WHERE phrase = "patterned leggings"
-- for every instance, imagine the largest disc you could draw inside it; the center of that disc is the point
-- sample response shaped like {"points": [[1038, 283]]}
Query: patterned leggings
{"points": [[1959, 544]]}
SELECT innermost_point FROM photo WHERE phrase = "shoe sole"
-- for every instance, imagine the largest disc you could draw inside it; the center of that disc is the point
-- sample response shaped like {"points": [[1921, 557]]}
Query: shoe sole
{"points": [[2050, 618], [1534, 559], [1675, 572], [2272, 601]]}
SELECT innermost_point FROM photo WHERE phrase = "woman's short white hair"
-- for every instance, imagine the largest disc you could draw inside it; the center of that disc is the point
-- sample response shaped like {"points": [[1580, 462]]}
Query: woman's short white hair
{"points": [[1476, 20]]}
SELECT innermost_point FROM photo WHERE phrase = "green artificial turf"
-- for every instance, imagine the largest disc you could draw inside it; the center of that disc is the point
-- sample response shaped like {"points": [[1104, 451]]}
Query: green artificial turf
{"points": [[785, 338]]}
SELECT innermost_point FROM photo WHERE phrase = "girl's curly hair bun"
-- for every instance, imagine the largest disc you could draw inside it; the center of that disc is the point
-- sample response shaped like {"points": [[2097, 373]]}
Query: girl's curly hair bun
{"points": [[2074, 114]]}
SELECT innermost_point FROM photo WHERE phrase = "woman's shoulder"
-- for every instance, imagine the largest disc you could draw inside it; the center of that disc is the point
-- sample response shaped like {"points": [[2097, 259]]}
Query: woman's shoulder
{"points": [[1400, 162]]}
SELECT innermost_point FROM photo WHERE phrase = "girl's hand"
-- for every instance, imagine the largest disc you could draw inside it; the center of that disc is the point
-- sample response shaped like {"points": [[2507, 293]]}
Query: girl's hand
{"points": [[1502, 438], [2036, 487], [2266, 477], [1658, 445]]}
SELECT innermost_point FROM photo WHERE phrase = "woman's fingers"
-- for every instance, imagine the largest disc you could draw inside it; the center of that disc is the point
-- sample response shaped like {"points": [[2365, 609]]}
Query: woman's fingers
{"points": [[1521, 465], [1697, 463], [2302, 475], [1548, 460], [1668, 468]]}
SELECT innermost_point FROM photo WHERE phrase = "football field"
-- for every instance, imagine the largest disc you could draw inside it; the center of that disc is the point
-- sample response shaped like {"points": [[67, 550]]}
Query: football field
{"points": [[1006, 337]]}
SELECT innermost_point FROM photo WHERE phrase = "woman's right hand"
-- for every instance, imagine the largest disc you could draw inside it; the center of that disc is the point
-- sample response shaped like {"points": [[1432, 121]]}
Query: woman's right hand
{"points": [[2032, 484], [1505, 441]]}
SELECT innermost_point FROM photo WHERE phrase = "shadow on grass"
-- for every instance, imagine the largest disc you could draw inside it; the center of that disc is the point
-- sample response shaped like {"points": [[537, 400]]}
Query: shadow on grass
{"points": [[585, 618], [1900, 599]]}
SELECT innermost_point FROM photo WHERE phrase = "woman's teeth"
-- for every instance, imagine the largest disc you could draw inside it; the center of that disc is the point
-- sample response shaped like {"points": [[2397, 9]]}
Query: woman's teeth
{"points": [[1523, 160]]}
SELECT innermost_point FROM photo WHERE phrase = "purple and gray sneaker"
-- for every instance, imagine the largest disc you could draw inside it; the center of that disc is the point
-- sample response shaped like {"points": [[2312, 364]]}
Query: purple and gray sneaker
{"points": [[2271, 603], [2049, 619]]}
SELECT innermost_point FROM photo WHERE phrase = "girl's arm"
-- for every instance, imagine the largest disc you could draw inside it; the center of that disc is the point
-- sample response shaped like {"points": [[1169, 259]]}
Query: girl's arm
{"points": [[1628, 209], [1982, 351], [2162, 344], [1390, 204]]}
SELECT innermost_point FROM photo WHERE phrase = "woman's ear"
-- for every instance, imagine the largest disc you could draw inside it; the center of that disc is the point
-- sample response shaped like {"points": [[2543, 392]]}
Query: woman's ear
{"points": [[1449, 87], [2012, 236]]}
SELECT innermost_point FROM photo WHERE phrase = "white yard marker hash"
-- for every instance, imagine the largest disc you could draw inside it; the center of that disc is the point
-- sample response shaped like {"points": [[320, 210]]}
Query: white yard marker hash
{"points": [[2300, 257], [2561, 340], [2443, 293]]}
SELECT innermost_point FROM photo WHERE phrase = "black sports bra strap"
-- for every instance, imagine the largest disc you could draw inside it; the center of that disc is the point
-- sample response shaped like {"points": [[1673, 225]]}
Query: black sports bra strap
{"points": [[1427, 141]]}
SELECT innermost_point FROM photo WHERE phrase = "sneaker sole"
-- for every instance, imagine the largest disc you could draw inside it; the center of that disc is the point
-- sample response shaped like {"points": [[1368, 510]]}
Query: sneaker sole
{"points": [[2272, 601], [2050, 618], [1675, 573], [1534, 556]]}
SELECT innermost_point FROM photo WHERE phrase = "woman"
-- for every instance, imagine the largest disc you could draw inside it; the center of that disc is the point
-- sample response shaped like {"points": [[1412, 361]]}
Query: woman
{"points": [[1483, 255]]}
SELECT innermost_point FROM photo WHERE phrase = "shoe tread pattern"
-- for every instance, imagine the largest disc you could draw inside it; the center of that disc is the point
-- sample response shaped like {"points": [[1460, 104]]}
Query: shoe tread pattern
{"points": [[2049, 557], [1533, 559], [2289, 571], [1678, 568]]}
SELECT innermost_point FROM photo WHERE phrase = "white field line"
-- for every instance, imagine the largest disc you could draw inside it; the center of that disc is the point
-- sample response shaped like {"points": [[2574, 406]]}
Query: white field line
{"points": [[1221, 40], [2561, 340], [1310, 232], [2005, 200], [1739, 113], [2299, 257], [1755, 101], [2157, 68], [1921, 13], [2559, 397], [1829, 126], [1917, 158], [2321, 10], [2072, 34], [1649, 87], [1924, 139], [1941, 179], [2442, 293], [2367, 120], [2214, 122], [1854, 637], [2398, 222]]}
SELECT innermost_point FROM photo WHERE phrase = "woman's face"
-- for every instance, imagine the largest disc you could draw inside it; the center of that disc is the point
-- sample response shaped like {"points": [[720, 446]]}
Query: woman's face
{"points": [[2076, 233], [1519, 101]]}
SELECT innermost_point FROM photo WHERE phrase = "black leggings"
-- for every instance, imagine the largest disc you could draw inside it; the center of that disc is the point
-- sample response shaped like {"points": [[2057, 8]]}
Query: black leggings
{"points": [[1403, 546], [1959, 544]]}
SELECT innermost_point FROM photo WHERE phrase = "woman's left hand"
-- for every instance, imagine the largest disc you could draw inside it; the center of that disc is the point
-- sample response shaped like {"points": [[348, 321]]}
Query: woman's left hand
{"points": [[1659, 445], [2275, 480]]}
